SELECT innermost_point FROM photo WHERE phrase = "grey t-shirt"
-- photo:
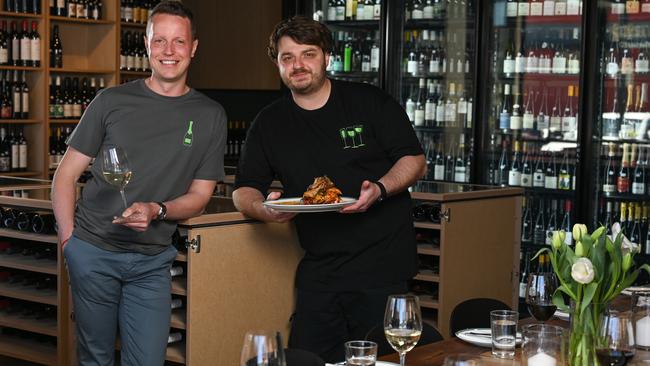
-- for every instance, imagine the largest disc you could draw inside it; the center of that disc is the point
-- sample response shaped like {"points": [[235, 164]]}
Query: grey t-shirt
{"points": [[152, 129]]}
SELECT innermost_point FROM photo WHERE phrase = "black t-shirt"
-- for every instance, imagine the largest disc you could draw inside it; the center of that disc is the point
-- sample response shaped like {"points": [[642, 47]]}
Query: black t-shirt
{"points": [[357, 135]]}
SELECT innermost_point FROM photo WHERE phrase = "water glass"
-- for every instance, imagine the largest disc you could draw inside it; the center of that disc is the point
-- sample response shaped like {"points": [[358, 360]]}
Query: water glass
{"points": [[358, 353], [504, 332], [642, 320], [463, 359], [543, 345]]}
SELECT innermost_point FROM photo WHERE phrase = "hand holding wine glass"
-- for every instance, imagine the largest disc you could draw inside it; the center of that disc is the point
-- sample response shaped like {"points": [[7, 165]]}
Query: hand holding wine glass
{"points": [[115, 168], [402, 323], [539, 295]]}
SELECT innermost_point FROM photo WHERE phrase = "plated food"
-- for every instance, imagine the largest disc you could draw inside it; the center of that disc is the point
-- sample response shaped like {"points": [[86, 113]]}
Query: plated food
{"points": [[321, 196]]}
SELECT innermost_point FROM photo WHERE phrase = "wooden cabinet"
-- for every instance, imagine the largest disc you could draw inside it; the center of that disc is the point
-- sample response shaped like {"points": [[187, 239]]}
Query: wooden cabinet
{"points": [[472, 250]]}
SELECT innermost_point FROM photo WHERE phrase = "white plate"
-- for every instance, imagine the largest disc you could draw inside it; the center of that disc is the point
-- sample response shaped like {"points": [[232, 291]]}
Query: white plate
{"points": [[294, 205], [631, 290], [378, 363], [481, 337], [562, 315]]}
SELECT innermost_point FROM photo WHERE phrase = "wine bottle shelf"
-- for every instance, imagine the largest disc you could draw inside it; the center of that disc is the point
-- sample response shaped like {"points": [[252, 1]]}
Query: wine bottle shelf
{"points": [[40, 326], [353, 24], [524, 135], [354, 74], [539, 191], [628, 18], [28, 263], [9, 14], [554, 20], [443, 130], [449, 76], [28, 236], [18, 291], [466, 23], [28, 350], [135, 73], [636, 77], [69, 70], [625, 196], [25, 68], [427, 225], [540, 77], [176, 352], [56, 18], [20, 121], [427, 275], [179, 319], [64, 120], [428, 249], [427, 301], [179, 286], [133, 25]]}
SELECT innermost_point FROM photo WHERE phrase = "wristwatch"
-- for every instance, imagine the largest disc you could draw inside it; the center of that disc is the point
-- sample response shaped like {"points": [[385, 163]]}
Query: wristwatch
{"points": [[382, 189], [162, 212]]}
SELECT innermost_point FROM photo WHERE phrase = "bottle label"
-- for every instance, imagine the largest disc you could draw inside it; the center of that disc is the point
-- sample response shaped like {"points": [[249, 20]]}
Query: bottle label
{"points": [[555, 123], [574, 66], [536, 9], [35, 46], [627, 66], [618, 8], [15, 157], [511, 9], [645, 8], [122, 62], [526, 180], [504, 121], [569, 124], [374, 59], [560, 8], [623, 184], [522, 290], [549, 7], [573, 7], [25, 49], [611, 68], [331, 13], [419, 117], [440, 114], [340, 13], [76, 110], [515, 122], [429, 111], [508, 66], [528, 121], [439, 172], [5, 164], [559, 65], [520, 63], [145, 63], [434, 66], [22, 156], [523, 10], [412, 67], [609, 188], [564, 181], [24, 105], [638, 188], [460, 175], [550, 182], [428, 12], [16, 99], [568, 239], [641, 65], [4, 56], [532, 63], [538, 179], [632, 7], [549, 237], [462, 107], [514, 178], [543, 122], [15, 50]]}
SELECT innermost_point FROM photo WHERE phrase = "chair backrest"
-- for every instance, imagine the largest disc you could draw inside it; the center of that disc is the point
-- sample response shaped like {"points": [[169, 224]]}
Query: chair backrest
{"points": [[299, 357], [376, 334], [474, 313]]}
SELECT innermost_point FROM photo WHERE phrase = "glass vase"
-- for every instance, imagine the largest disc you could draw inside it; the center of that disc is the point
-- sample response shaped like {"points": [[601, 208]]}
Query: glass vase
{"points": [[585, 325]]}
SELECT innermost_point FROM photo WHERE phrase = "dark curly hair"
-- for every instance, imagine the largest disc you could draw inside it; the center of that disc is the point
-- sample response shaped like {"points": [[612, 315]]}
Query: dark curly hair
{"points": [[303, 31]]}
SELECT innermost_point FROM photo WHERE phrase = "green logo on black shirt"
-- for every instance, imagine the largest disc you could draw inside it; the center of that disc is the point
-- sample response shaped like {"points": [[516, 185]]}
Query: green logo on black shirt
{"points": [[187, 139], [353, 135]]}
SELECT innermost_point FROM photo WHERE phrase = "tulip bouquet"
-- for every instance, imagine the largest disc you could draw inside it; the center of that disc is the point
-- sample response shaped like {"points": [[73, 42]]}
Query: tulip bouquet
{"points": [[591, 275]]}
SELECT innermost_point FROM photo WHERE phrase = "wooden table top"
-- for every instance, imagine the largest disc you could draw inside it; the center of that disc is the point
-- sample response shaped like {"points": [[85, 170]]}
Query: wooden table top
{"points": [[434, 354]]}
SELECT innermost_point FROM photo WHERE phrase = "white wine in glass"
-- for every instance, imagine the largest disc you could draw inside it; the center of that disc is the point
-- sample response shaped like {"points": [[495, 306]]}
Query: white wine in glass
{"points": [[402, 323], [116, 169]]}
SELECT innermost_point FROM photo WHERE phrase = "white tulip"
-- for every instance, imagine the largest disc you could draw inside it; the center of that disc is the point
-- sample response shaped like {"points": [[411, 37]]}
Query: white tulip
{"points": [[583, 271], [627, 246]]}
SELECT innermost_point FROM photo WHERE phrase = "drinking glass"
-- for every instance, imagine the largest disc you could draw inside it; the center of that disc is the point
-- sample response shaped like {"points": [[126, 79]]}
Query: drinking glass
{"points": [[504, 332], [539, 295], [343, 134], [615, 343], [259, 349], [359, 130], [402, 323], [360, 353], [543, 344], [115, 168]]}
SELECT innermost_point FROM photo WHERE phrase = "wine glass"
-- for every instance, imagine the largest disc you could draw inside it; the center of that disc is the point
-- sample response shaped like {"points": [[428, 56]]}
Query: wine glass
{"points": [[539, 295], [259, 349], [115, 168], [402, 323], [615, 341], [359, 130]]}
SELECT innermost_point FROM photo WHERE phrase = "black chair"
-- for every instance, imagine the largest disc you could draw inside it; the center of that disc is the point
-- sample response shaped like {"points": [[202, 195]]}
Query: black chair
{"points": [[474, 313], [376, 334], [299, 357]]}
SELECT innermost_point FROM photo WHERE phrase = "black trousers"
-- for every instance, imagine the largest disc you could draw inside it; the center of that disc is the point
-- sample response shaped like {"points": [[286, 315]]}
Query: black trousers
{"points": [[324, 321]]}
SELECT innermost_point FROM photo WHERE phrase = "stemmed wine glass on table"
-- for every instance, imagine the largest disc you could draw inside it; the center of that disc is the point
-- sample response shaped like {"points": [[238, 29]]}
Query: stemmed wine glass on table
{"points": [[615, 344], [260, 349], [539, 295], [402, 323], [116, 169]]}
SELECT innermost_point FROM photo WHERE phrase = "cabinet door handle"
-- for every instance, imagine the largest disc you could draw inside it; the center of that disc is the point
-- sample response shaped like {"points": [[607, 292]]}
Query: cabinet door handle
{"points": [[194, 244]]}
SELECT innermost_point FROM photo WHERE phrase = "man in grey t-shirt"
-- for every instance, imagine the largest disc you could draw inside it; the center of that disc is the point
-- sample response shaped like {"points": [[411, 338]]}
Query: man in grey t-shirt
{"points": [[119, 259]]}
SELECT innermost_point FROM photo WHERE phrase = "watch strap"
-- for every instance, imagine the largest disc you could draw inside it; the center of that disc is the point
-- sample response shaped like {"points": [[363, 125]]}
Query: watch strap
{"points": [[162, 213], [382, 189]]}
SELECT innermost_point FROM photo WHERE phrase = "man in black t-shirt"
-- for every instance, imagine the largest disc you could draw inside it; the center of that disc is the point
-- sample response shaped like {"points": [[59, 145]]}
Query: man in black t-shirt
{"points": [[359, 137]]}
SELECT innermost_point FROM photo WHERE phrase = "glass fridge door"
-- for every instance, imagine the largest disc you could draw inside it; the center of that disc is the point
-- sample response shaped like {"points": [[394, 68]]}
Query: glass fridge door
{"points": [[621, 140], [530, 126], [436, 82], [356, 29]]}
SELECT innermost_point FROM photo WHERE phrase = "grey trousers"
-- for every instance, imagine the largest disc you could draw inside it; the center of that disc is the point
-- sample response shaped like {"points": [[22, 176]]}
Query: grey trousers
{"points": [[129, 289]]}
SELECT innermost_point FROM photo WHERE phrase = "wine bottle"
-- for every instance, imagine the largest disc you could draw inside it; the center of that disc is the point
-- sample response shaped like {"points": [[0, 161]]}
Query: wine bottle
{"points": [[504, 117], [564, 176], [623, 181], [609, 178], [556, 120], [526, 169], [35, 46], [56, 49], [5, 151], [523, 279], [539, 231], [551, 177], [460, 169], [527, 221], [502, 176], [635, 233], [439, 165], [449, 164], [638, 181], [420, 104], [566, 223], [514, 174], [569, 121], [539, 174]]}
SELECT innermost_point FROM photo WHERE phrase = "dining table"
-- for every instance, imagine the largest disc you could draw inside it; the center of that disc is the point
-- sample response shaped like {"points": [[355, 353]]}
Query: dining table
{"points": [[433, 354]]}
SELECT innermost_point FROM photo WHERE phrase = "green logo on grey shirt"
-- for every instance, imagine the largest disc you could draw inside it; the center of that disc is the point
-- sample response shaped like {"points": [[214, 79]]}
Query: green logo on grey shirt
{"points": [[187, 139]]}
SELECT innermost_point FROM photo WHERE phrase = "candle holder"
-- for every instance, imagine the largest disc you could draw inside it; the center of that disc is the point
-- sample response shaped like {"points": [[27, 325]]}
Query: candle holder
{"points": [[641, 320], [544, 345]]}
